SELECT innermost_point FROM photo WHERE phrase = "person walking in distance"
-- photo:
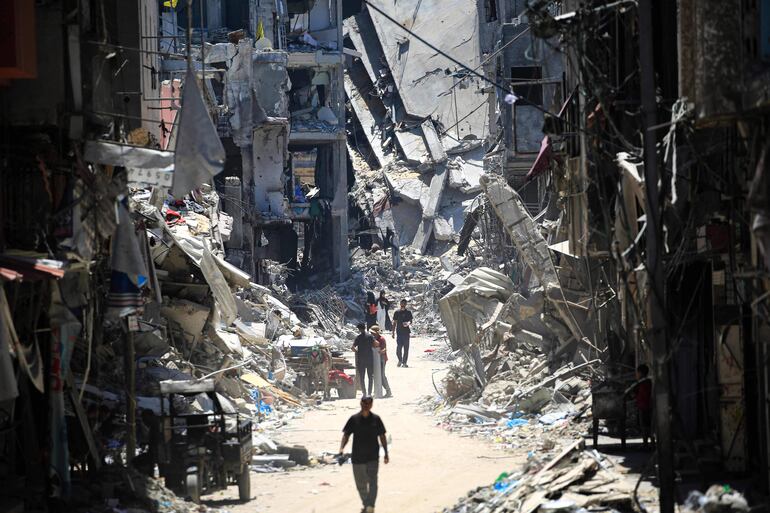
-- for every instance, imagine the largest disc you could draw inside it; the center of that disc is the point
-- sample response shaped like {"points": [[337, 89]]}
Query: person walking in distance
{"points": [[383, 318], [363, 346], [402, 322], [643, 398], [366, 428], [370, 309], [381, 345]]}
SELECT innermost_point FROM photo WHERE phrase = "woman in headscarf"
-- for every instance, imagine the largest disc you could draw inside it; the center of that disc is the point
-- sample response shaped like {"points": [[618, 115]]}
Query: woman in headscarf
{"points": [[383, 305], [370, 308]]}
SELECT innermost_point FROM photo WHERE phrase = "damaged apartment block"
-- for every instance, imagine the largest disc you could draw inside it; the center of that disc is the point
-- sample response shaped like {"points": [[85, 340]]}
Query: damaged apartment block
{"points": [[283, 115], [422, 127]]}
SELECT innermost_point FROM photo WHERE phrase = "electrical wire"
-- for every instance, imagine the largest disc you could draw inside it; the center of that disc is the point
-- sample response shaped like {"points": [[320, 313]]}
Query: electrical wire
{"points": [[490, 57]]}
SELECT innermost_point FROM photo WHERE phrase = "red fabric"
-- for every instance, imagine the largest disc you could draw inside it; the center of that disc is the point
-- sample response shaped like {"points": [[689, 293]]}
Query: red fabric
{"points": [[336, 374], [543, 159], [644, 395]]}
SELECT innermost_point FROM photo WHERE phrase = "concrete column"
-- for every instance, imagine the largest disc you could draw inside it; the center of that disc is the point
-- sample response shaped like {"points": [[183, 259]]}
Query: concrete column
{"points": [[341, 256], [247, 157], [233, 205]]}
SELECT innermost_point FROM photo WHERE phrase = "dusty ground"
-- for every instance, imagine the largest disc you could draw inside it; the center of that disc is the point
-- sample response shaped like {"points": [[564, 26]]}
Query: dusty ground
{"points": [[429, 469]]}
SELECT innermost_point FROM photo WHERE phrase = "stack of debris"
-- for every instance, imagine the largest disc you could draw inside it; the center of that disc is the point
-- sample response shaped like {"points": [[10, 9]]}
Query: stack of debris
{"points": [[525, 357], [422, 280], [575, 480], [717, 499], [523, 404], [125, 489]]}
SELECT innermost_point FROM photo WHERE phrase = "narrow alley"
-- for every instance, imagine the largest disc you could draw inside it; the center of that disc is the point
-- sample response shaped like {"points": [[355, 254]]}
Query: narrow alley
{"points": [[429, 467], [414, 256]]}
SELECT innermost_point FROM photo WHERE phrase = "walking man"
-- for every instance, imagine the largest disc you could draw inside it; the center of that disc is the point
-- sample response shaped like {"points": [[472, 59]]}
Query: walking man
{"points": [[366, 427], [363, 346], [381, 346], [402, 321]]}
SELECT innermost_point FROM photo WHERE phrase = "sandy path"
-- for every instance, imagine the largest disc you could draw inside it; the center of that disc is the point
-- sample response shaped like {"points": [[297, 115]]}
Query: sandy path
{"points": [[429, 470]]}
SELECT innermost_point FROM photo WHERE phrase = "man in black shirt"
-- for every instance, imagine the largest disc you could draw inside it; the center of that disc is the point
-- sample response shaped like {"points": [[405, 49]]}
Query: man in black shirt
{"points": [[366, 428], [363, 346], [402, 320]]}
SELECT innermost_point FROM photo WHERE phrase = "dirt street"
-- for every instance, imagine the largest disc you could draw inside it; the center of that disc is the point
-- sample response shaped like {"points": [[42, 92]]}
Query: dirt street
{"points": [[429, 469]]}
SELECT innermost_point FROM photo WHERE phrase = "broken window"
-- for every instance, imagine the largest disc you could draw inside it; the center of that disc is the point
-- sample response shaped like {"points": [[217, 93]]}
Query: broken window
{"points": [[526, 82], [312, 101]]}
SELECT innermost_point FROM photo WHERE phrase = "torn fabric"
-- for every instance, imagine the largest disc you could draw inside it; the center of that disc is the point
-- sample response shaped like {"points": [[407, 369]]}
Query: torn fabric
{"points": [[199, 152], [543, 159], [126, 252]]}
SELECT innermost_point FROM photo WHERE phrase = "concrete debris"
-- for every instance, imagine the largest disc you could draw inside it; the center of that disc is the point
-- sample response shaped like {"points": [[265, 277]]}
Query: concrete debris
{"points": [[116, 488], [717, 499], [420, 279], [573, 480], [417, 157], [521, 397]]}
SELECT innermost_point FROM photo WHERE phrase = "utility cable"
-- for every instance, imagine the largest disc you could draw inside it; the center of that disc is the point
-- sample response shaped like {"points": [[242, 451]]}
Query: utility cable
{"points": [[489, 58], [473, 72]]}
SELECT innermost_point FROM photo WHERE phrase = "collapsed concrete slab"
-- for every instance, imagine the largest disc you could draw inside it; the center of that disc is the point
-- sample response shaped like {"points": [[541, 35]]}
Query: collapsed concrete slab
{"points": [[190, 316], [471, 304], [465, 172], [426, 85], [360, 30], [534, 251], [430, 205], [433, 142], [368, 120], [411, 190]]}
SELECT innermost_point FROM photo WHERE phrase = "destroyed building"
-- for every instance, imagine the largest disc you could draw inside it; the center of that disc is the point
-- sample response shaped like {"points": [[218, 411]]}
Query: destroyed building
{"points": [[644, 240], [422, 127], [132, 239], [279, 89]]}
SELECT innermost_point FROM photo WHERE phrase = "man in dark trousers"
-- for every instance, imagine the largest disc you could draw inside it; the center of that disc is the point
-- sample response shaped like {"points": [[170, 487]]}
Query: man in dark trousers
{"points": [[366, 427], [363, 346], [402, 321]]}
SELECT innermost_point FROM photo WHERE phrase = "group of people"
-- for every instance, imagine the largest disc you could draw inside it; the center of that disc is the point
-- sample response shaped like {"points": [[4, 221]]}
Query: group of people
{"points": [[367, 428], [371, 342]]}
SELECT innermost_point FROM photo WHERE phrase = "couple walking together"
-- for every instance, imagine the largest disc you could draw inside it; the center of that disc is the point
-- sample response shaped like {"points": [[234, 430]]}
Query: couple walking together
{"points": [[402, 320]]}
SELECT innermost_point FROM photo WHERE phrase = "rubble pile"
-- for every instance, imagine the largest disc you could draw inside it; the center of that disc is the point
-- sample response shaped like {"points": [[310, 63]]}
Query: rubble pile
{"points": [[523, 405], [573, 480], [125, 489], [421, 279], [717, 499]]}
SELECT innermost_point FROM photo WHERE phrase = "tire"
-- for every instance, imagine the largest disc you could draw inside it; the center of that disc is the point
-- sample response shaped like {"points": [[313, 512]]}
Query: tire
{"points": [[244, 484], [193, 485]]}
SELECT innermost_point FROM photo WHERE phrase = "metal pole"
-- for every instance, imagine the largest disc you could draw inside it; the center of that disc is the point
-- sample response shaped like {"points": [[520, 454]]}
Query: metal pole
{"points": [[189, 35], [656, 332], [130, 372]]}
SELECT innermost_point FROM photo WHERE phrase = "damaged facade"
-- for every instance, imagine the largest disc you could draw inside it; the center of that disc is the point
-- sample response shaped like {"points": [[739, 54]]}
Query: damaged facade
{"points": [[151, 176], [600, 266], [282, 98], [416, 118]]}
